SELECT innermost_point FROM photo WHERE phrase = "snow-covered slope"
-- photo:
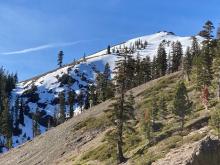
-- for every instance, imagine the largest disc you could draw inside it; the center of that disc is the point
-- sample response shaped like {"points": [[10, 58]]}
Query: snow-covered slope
{"points": [[49, 85]]}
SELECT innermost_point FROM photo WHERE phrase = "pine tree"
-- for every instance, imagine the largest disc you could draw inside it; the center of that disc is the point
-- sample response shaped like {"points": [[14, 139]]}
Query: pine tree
{"points": [[121, 110], [154, 110], [194, 49], [146, 67], [62, 107], [138, 71], [92, 95], [204, 68], [205, 97], [181, 105], [6, 123], [187, 66], [35, 122], [21, 112], [154, 69], [108, 86], [109, 49], [80, 100], [205, 73], [169, 63], [148, 126], [162, 106], [60, 58], [161, 60], [130, 72], [16, 113], [207, 30], [71, 100], [177, 54], [104, 86]]}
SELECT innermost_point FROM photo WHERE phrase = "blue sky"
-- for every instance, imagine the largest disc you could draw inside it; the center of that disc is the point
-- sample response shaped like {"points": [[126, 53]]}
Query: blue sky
{"points": [[33, 31]]}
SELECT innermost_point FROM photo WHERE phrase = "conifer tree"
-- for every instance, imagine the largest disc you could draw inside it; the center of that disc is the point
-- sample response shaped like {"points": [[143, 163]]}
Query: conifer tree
{"points": [[6, 123], [92, 95], [154, 69], [21, 112], [194, 49], [177, 54], [138, 71], [148, 126], [205, 73], [169, 63], [120, 111], [62, 107], [35, 122], [71, 100], [109, 49], [104, 86], [154, 109], [146, 67], [161, 60], [60, 58], [130, 73], [80, 100], [16, 113], [162, 106], [205, 97], [204, 68], [181, 105], [187, 66], [207, 30]]}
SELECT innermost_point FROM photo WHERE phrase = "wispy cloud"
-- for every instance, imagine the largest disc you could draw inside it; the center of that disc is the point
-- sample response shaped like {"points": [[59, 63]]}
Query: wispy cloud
{"points": [[47, 46]]}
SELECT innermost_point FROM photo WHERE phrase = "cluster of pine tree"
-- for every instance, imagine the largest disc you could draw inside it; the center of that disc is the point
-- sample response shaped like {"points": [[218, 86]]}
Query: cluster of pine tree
{"points": [[7, 84]]}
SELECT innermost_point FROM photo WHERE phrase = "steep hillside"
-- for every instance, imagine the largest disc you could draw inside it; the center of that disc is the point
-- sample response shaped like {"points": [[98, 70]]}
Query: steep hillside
{"points": [[82, 139], [42, 91]]}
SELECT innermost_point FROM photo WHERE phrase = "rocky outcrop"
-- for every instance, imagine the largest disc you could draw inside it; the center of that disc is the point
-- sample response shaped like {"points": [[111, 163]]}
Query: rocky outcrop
{"points": [[203, 152]]}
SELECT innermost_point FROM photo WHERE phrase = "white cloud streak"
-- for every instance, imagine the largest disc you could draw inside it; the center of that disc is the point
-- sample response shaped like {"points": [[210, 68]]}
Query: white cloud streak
{"points": [[47, 46]]}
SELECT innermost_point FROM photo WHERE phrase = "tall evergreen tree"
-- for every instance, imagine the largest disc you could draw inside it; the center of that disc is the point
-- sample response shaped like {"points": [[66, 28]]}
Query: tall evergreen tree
{"points": [[205, 73], [92, 95], [162, 106], [154, 110], [154, 69], [138, 71], [187, 66], [21, 112], [121, 110], [177, 54], [207, 30], [181, 105], [161, 60], [71, 100], [148, 126], [109, 49], [146, 67], [6, 123], [62, 110], [60, 58], [35, 123]]}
